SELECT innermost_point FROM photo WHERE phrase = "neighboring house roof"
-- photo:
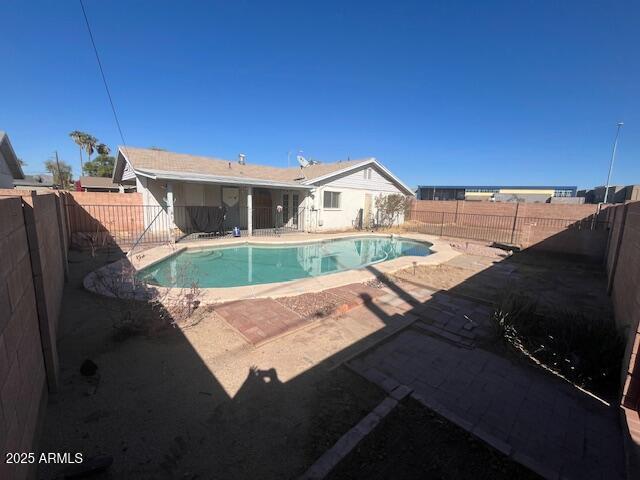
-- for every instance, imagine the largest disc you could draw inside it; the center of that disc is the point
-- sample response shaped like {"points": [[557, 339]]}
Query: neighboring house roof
{"points": [[34, 181], [99, 182], [500, 187], [10, 156], [161, 164]]}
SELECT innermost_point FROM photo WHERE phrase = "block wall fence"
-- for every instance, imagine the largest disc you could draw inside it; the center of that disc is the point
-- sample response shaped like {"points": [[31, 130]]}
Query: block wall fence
{"points": [[32, 277], [622, 263], [571, 229]]}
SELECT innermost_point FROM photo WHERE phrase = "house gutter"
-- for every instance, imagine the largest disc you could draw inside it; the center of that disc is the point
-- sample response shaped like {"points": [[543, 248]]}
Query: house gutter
{"points": [[218, 179]]}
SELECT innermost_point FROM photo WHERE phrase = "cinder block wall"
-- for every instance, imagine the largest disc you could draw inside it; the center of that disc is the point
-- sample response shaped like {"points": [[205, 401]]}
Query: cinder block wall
{"points": [[625, 294], [109, 217], [623, 268], [105, 198], [507, 209], [47, 263], [23, 387], [544, 226]]}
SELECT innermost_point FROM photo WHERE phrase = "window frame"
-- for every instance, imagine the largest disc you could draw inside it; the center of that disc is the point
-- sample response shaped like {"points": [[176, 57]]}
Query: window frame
{"points": [[331, 193]]}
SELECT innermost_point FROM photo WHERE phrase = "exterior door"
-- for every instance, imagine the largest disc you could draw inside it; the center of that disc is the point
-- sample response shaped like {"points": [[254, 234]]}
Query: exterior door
{"points": [[231, 200], [262, 209]]}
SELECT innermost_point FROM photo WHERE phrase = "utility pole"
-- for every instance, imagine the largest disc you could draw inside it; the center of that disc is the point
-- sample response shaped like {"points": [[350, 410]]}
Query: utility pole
{"points": [[613, 157], [59, 171]]}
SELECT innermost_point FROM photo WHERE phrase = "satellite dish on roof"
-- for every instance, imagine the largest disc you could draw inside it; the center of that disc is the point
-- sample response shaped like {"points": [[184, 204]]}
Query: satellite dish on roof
{"points": [[302, 161]]}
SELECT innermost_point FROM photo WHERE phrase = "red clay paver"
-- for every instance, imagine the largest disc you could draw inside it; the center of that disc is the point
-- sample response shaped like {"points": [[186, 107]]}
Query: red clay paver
{"points": [[261, 319]]}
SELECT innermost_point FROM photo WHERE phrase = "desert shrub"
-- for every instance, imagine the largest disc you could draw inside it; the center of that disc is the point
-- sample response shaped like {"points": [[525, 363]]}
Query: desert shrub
{"points": [[390, 207], [585, 350], [136, 308]]}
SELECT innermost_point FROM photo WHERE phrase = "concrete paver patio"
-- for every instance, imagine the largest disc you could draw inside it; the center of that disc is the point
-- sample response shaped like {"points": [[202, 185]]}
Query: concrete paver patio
{"points": [[541, 421], [263, 319]]}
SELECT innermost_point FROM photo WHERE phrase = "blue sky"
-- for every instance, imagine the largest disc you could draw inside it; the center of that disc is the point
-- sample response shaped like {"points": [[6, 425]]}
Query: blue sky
{"points": [[513, 92]]}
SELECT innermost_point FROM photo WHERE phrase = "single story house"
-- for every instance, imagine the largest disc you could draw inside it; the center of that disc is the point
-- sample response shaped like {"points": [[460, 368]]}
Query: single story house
{"points": [[314, 197], [10, 168], [37, 182], [102, 184]]}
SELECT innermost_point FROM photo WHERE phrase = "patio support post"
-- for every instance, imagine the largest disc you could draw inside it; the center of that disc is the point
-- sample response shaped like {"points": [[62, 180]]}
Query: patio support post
{"points": [[170, 212], [250, 211]]}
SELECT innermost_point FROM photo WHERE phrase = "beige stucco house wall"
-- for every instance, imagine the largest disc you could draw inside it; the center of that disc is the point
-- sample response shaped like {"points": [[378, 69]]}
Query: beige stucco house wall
{"points": [[317, 197]]}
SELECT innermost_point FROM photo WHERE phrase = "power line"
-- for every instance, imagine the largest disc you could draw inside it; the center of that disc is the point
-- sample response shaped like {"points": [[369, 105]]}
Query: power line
{"points": [[104, 78]]}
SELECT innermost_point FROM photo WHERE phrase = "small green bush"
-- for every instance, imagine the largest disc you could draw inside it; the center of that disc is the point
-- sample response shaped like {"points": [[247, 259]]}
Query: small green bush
{"points": [[587, 351]]}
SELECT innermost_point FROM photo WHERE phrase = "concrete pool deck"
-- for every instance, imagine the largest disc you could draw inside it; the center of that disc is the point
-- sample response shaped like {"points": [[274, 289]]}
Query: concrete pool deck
{"points": [[115, 280]]}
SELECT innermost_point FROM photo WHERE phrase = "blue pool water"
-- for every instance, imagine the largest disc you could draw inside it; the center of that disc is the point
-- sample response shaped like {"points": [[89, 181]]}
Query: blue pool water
{"points": [[253, 265]]}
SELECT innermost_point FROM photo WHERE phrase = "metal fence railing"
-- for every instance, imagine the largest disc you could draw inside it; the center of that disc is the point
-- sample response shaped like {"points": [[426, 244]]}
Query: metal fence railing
{"points": [[104, 225], [497, 228]]}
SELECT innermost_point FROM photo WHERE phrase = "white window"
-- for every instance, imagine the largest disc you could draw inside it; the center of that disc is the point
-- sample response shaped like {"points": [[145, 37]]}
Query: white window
{"points": [[331, 200], [367, 173]]}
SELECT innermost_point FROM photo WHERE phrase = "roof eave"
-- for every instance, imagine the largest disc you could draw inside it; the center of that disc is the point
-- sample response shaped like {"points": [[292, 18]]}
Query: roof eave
{"points": [[216, 179], [370, 161]]}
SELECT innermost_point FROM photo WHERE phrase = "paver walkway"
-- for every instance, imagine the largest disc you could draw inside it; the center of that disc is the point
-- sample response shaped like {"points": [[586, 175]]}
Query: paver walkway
{"points": [[541, 421], [264, 319]]}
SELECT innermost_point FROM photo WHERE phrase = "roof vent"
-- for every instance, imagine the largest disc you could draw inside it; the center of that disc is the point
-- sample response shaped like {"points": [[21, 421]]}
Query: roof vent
{"points": [[242, 158]]}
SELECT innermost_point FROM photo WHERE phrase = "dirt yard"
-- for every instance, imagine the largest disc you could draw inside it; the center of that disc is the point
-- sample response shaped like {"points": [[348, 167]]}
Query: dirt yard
{"points": [[486, 274], [203, 401], [158, 409]]}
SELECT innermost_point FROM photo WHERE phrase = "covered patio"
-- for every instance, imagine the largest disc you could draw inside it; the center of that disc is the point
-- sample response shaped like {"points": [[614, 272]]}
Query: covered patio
{"points": [[195, 206]]}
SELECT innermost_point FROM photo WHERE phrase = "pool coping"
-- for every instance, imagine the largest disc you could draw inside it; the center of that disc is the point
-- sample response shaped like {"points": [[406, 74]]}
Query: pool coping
{"points": [[111, 280]]}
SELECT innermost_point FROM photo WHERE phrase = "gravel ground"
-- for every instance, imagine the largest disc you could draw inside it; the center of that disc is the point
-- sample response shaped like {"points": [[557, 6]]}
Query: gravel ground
{"points": [[312, 305]]}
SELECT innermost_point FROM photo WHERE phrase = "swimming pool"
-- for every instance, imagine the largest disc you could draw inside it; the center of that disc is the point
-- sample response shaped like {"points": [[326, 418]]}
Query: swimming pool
{"points": [[243, 265]]}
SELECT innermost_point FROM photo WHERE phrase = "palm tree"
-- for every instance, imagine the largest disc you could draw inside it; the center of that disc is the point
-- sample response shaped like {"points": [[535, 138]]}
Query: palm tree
{"points": [[78, 137], [90, 143], [102, 149]]}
